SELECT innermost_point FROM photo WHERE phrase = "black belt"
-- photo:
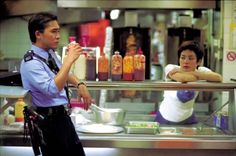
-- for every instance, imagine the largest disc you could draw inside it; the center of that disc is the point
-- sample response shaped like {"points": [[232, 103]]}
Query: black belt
{"points": [[55, 110]]}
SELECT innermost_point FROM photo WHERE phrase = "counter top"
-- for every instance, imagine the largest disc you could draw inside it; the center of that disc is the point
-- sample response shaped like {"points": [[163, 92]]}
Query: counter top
{"points": [[158, 141], [12, 92], [141, 141]]}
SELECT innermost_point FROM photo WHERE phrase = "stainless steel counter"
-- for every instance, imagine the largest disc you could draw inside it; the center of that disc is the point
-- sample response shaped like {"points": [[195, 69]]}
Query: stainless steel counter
{"points": [[154, 142], [159, 142], [141, 141]]}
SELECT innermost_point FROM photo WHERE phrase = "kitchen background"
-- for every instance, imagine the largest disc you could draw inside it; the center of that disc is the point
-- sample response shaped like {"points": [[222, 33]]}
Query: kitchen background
{"points": [[215, 20]]}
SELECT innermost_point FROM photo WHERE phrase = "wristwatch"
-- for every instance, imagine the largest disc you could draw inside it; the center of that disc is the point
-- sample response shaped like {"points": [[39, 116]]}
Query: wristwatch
{"points": [[81, 83]]}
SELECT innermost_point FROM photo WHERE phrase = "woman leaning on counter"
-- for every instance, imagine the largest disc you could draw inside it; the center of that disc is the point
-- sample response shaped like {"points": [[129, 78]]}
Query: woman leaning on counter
{"points": [[177, 106]]}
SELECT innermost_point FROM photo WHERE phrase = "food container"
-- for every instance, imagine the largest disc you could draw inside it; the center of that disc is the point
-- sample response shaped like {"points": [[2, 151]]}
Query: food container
{"points": [[103, 67], [111, 116], [142, 127], [116, 66], [139, 66], [128, 67]]}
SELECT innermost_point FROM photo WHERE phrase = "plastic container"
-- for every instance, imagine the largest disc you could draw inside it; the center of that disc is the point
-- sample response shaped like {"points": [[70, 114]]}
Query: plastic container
{"points": [[72, 39], [128, 67], [91, 66], [103, 67], [19, 107], [141, 127], [80, 67], [116, 66], [139, 66]]}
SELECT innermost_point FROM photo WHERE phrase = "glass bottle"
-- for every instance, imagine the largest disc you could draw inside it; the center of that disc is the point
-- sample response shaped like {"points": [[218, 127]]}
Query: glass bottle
{"points": [[128, 67], [91, 66], [139, 66], [116, 66], [103, 67]]}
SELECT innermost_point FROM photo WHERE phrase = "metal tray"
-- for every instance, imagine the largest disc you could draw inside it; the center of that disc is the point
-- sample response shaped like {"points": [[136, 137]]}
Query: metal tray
{"points": [[141, 127]]}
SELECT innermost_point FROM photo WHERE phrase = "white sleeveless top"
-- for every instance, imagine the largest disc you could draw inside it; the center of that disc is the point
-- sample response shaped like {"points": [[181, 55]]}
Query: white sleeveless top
{"points": [[171, 108]]}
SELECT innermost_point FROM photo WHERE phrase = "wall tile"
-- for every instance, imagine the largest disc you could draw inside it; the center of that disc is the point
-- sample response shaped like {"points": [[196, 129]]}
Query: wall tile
{"points": [[14, 34]]}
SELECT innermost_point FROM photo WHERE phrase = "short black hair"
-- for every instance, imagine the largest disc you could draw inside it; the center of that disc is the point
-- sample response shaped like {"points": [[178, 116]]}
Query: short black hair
{"points": [[39, 22], [194, 46]]}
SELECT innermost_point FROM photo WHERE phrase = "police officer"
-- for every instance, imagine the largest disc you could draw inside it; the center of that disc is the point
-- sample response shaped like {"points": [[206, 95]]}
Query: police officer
{"points": [[46, 85]]}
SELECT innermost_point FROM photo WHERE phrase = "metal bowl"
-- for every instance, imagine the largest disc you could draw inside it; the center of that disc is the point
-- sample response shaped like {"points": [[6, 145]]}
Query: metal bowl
{"points": [[113, 116]]}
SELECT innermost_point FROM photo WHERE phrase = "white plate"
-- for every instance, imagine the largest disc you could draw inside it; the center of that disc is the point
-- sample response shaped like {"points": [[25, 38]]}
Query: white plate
{"points": [[98, 128]]}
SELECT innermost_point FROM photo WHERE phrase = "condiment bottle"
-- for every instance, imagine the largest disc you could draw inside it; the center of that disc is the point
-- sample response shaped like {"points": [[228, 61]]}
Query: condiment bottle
{"points": [[91, 66], [19, 107], [128, 67], [80, 66], [103, 67], [139, 66], [72, 39], [116, 66]]}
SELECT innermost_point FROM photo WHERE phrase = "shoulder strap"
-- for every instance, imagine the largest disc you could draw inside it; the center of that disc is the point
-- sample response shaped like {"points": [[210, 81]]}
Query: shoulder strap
{"points": [[50, 63]]}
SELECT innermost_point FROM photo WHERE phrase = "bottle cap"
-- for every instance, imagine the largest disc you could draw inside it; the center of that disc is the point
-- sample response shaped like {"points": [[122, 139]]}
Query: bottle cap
{"points": [[72, 39], [140, 51]]}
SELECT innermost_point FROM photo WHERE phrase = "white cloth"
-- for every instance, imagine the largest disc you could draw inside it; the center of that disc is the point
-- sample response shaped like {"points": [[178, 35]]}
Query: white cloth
{"points": [[171, 108]]}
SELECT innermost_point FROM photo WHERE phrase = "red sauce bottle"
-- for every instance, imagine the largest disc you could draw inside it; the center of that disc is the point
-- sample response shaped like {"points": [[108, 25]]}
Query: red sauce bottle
{"points": [[139, 66], [128, 67], [103, 67], [116, 66], [91, 66]]}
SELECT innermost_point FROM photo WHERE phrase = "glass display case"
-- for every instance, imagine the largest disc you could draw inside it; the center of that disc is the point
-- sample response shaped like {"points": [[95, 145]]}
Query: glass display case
{"points": [[140, 100], [216, 119]]}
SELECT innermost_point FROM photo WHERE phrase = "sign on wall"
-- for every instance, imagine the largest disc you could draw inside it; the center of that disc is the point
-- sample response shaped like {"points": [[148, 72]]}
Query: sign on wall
{"points": [[231, 55]]}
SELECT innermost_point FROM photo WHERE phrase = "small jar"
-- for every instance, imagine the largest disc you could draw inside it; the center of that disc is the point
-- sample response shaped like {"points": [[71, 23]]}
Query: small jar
{"points": [[91, 66], [128, 67], [116, 66], [103, 67]]}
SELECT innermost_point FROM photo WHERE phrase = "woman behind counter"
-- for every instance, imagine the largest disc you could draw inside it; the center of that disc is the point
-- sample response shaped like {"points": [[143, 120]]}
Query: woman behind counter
{"points": [[177, 106]]}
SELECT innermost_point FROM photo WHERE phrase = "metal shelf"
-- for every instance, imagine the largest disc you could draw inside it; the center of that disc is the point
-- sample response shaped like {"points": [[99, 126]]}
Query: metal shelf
{"points": [[160, 85]]}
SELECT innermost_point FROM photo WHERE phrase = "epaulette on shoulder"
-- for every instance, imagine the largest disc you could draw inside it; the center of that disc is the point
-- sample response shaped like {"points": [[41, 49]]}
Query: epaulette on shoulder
{"points": [[29, 55]]}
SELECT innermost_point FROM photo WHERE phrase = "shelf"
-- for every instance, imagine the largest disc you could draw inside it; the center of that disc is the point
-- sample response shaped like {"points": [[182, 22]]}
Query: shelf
{"points": [[136, 4], [160, 85]]}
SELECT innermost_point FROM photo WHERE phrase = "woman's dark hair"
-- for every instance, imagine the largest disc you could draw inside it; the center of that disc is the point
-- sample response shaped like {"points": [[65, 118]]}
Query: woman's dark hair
{"points": [[193, 46], [39, 22]]}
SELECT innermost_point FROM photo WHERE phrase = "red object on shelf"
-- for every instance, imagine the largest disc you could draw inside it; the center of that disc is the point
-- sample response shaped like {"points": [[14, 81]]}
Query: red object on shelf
{"points": [[128, 67], [103, 67], [92, 34], [116, 66], [139, 66]]}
